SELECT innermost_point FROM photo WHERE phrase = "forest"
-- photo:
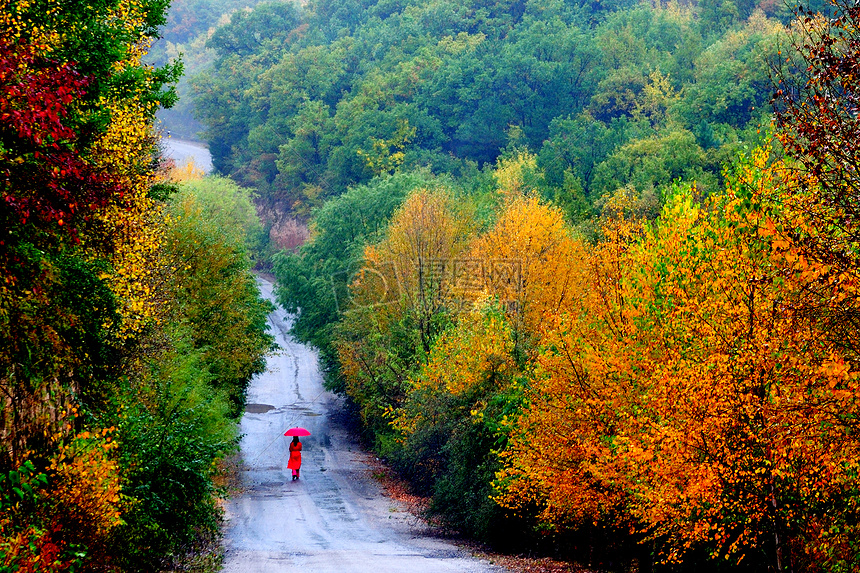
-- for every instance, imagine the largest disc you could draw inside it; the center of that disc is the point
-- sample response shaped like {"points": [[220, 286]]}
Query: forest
{"points": [[303, 104], [586, 272]]}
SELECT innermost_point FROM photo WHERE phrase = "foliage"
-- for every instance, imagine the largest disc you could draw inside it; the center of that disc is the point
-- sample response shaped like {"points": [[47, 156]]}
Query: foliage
{"points": [[85, 492], [530, 261], [24, 544], [211, 283], [316, 279], [346, 94], [69, 197], [448, 423], [173, 427], [613, 335], [670, 380], [398, 303], [188, 171], [61, 519], [817, 126], [701, 405], [117, 398], [226, 206], [184, 35]]}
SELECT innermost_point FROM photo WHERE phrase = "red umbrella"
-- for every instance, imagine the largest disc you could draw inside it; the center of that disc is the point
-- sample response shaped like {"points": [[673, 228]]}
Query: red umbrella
{"points": [[297, 432]]}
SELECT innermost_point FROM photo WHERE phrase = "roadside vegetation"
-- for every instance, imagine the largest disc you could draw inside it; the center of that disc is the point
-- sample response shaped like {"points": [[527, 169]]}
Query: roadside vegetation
{"points": [[129, 321], [584, 285], [586, 272]]}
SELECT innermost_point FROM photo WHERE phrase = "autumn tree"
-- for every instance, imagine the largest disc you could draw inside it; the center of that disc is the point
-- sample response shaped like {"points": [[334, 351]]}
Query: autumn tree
{"points": [[95, 350], [702, 406], [817, 125], [424, 239], [530, 261], [549, 470], [316, 278], [399, 301], [457, 409]]}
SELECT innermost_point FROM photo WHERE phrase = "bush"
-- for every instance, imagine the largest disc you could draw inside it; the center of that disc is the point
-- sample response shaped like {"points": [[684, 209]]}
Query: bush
{"points": [[173, 429]]}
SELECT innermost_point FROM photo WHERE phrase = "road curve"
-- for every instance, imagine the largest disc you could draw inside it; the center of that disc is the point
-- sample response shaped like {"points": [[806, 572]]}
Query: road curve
{"points": [[335, 519], [181, 151]]}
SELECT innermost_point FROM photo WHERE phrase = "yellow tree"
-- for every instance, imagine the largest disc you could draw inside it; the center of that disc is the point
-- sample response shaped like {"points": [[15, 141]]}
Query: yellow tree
{"points": [[516, 175], [469, 361], [425, 238], [400, 300], [530, 261], [127, 150], [552, 459]]}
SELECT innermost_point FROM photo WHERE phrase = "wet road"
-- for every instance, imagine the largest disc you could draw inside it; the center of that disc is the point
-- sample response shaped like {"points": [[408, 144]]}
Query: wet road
{"points": [[181, 151], [335, 518]]}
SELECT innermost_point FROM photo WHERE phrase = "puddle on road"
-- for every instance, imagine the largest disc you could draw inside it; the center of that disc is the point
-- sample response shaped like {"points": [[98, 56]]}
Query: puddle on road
{"points": [[258, 408]]}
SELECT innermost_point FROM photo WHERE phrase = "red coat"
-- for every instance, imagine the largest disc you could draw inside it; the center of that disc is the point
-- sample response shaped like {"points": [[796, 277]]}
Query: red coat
{"points": [[295, 456]]}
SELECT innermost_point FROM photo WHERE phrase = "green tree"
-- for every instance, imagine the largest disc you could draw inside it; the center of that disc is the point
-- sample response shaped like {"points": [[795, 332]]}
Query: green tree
{"points": [[647, 164], [732, 85], [578, 145], [315, 281], [212, 222]]}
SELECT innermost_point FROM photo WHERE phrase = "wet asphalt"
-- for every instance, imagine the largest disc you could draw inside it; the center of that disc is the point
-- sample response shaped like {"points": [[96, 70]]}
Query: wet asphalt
{"points": [[181, 151], [335, 519]]}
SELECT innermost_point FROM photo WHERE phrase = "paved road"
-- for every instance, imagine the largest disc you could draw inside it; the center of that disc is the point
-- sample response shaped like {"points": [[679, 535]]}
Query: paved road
{"points": [[335, 518], [180, 151]]}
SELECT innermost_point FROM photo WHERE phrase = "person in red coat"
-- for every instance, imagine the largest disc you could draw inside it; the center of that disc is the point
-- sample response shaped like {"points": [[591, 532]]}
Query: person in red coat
{"points": [[295, 462]]}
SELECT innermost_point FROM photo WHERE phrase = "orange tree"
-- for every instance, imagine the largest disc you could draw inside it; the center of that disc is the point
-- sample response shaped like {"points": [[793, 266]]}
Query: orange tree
{"points": [[548, 470], [694, 399]]}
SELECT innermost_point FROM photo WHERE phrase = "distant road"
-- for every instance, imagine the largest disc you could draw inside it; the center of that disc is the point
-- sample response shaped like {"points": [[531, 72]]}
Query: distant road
{"points": [[180, 150]]}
